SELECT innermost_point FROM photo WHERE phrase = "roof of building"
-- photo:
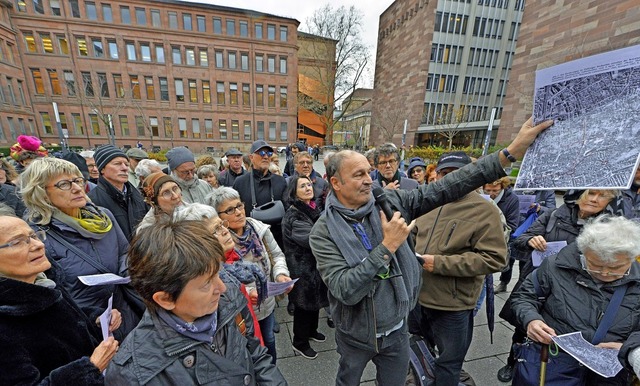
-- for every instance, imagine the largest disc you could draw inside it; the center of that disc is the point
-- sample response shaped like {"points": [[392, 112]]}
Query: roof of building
{"points": [[213, 7], [361, 94], [312, 36]]}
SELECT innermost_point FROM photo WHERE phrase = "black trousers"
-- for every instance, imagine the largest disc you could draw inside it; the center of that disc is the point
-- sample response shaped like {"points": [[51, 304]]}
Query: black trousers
{"points": [[305, 324]]}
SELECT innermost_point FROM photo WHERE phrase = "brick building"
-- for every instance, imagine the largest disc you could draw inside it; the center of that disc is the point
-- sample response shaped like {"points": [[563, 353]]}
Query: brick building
{"points": [[164, 72], [557, 32], [442, 65]]}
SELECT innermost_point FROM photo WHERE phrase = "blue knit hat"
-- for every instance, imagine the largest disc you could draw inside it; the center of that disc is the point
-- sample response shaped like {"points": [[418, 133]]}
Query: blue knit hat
{"points": [[179, 155], [105, 153]]}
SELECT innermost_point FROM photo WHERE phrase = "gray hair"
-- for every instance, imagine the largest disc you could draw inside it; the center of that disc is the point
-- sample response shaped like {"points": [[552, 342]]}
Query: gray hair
{"points": [[143, 169], [87, 153], [204, 170], [608, 236], [386, 149], [221, 195], [6, 210], [194, 212], [370, 154], [335, 164]]}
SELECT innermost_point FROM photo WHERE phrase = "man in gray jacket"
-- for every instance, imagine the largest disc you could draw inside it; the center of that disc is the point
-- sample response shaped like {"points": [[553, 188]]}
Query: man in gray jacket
{"points": [[183, 170], [368, 265]]}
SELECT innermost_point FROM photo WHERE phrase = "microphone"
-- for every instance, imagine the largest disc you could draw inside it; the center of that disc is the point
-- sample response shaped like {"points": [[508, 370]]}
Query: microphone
{"points": [[381, 199]]}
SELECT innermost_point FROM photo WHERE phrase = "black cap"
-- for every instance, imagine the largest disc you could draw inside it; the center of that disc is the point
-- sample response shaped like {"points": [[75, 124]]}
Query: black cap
{"points": [[233, 151], [456, 159], [260, 144]]}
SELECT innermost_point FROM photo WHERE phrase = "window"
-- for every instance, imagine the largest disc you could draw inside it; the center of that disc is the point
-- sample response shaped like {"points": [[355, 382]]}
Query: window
{"points": [[175, 55], [271, 97], [244, 61], [151, 93], [141, 16], [47, 44], [95, 124], [187, 22], [12, 127], [131, 51], [70, 81], [283, 33], [182, 127], [201, 21], [159, 53], [271, 63], [153, 124], [235, 129], [195, 127], [447, 53], [90, 10], [208, 128], [217, 25], [204, 58], [104, 86], [82, 47], [168, 127], [283, 65], [206, 91], [155, 18], [246, 92], [258, 30], [283, 97], [88, 84], [164, 89], [124, 125], [219, 59], [63, 45], [77, 123], [259, 62], [12, 95], [98, 50], [247, 130], [220, 93], [231, 27], [125, 15], [140, 126], [107, 14], [118, 85], [173, 20], [46, 123], [30, 42], [271, 32], [75, 10], [113, 49], [21, 91], [193, 91], [37, 80], [244, 28], [272, 131], [55, 7], [135, 86], [22, 6], [451, 22], [37, 6], [259, 95], [179, 90], [190, 55], [283, 131], [145, 52], [222, 128], [260, 130], [232, 60], [233, 94]]}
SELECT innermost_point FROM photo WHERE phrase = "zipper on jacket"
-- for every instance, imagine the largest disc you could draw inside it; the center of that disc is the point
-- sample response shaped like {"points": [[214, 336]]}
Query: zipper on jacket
{"points": [[375, 330], [185, 348], [453, 228]]}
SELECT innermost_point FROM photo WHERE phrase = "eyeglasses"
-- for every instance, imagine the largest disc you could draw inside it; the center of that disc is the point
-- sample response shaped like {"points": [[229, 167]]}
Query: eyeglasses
{"points": [[305, 163], [390, 162], [186, 172], [39, 235], [167, 194], [91, 166], [262, 153], [66, 184], [583, 262], [221, 228], [232, 210], [417, 170]]}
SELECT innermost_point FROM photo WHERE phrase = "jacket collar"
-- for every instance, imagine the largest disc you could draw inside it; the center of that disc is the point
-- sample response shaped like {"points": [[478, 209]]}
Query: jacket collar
{"points": [[23, 299]]}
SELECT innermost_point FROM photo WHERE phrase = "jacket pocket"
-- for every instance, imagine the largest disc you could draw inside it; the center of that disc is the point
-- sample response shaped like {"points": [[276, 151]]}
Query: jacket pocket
{"points": [[357, 321]]}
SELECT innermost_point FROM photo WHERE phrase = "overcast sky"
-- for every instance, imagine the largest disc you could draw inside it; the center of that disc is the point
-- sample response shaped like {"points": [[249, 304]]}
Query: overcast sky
{"points": [[301, 10]]}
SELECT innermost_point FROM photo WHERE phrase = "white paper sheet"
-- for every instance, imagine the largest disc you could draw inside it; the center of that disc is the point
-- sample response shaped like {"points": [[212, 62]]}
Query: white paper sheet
{"points": [[105, 320], [602, 361], [526, 200], [553, 247], [103, 279], [274, 288]]}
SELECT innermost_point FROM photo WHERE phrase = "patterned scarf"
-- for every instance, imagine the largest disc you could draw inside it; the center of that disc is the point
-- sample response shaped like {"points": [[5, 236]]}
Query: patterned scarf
{"points": [[202, 329], [93, 222], [249, 242]]}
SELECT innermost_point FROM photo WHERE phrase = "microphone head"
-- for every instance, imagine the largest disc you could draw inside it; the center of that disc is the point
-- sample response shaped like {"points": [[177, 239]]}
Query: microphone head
{"points": [[379, 194]]}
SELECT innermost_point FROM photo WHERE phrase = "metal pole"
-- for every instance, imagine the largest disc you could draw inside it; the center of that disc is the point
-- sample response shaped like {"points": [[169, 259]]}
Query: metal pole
{"points": [[61, 135], [487, 139], [112, 136]]}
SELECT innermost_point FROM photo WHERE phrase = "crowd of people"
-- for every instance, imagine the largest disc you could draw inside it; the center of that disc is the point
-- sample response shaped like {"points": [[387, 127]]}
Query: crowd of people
{"points": [[202, 239]]}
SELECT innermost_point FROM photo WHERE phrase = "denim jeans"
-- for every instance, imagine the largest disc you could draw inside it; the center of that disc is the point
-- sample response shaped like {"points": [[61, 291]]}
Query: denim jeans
{"points": [[452, 332], [269, 337]]}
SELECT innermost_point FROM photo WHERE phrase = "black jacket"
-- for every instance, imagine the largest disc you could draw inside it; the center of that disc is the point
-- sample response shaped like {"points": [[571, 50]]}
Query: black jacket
{"points": [[128, 209], [9, 197], [45, 338], [228, 177]]}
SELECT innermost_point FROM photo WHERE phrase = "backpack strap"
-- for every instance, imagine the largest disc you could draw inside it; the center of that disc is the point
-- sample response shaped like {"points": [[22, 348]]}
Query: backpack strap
{"points": [[609, 314], [81, 254], [536, 285], [552, 222]]}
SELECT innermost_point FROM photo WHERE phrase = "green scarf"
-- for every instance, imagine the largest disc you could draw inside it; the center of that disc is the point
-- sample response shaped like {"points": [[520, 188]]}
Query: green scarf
{"points": [[93, 222]]}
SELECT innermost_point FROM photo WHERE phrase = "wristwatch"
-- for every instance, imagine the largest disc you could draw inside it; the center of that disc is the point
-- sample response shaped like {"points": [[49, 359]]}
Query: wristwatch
{"points": [[508, 155]]}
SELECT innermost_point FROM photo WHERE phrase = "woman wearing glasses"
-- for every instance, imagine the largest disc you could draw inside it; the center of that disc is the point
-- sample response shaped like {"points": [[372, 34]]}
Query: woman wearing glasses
{"points": [[310, 293], [255, 244], [163, 194], [576, 286], [82, 238]]}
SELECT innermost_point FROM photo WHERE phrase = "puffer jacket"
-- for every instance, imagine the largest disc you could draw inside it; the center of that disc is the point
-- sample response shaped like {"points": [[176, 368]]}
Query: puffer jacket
{"points": [[9, 197], [194, 193], [278, 267], [155, 354]]}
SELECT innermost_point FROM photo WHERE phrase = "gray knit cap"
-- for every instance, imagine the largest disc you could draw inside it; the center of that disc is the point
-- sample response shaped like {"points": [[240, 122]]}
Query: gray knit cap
{"points": [[104, 154], [179, 155]]}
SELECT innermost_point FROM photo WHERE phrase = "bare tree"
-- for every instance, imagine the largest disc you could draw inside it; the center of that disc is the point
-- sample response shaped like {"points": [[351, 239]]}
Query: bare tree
{"points": [[449, 122], [390, 122], [341, 28]]}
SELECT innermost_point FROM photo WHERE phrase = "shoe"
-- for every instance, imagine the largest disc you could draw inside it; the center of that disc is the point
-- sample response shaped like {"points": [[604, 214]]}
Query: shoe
{"points": [[330, 323], [291, 308], [505, 374], [318, 337], [308, 352], [276, 327], [502, 287]]}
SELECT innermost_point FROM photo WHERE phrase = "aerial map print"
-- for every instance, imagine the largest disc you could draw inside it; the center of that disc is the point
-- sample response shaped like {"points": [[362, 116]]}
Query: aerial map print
{"points": [[595, 140]]}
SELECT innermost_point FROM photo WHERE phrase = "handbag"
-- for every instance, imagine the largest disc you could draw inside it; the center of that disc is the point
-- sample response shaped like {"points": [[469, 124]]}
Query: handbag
{"points": [[562, 369], [271, 213]]}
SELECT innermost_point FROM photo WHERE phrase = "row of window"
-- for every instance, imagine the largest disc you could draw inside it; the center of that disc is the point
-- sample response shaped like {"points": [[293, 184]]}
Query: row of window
{"points": [[446, 113], [488, 28], [483, 27], [153, 17], [193, 90], [7, 52], [446, 53], [451, 22], [145, 127], [8, 94], [442, 83], [482, 57], [16, 127]]}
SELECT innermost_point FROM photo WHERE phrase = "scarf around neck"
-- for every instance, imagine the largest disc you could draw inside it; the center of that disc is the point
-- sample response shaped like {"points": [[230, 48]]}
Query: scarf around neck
{"points": [[396, 177], [202, 329], [248, 242], [93, 222]]}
